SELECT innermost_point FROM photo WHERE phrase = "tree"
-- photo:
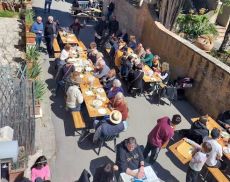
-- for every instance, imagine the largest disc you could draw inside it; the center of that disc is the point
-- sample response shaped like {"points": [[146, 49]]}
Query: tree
{"points": [[168, 11]]}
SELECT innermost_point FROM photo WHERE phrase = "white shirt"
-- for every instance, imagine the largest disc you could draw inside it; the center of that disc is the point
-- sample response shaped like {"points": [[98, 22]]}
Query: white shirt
{"points": [[216, 151], [74, 96], [198, 161], [64, 55]]}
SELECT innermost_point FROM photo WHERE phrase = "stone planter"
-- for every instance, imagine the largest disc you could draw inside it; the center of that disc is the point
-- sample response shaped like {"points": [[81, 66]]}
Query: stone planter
{"points": [[205, 42], [16, 175]]}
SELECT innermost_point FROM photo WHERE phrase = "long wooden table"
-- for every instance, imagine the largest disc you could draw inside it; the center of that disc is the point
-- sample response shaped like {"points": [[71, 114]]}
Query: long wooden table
{"points": [[152, 78], [178, 153], [211, 124], [85, 87]]}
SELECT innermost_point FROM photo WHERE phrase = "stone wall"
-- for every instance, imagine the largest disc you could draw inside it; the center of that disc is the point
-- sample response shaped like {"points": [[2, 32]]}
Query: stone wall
{"points": [[211, 91]]}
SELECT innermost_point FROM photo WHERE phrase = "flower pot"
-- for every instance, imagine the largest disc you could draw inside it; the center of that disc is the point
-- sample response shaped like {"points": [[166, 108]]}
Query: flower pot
{"points": [[28, 27], [37, 109], [205, 43], [30, 38], [16, 175], [29, 64]]}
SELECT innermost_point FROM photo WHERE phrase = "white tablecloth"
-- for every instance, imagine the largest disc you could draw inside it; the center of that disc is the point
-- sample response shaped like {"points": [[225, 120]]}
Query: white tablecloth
{"points": [[149, 173]]}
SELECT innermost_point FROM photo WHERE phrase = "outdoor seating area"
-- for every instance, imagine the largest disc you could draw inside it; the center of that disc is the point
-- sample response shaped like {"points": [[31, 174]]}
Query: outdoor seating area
{"points": [[111, 105]]}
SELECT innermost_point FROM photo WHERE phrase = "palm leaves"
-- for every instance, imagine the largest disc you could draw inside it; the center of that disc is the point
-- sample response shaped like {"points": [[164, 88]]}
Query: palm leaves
{"points": [[195, 25], [32, 53], [34, 71], [39, 89]]}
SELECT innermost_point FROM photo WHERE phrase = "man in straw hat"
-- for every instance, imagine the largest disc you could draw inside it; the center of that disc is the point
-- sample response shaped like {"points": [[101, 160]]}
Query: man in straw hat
{"points": [[110, 126]]}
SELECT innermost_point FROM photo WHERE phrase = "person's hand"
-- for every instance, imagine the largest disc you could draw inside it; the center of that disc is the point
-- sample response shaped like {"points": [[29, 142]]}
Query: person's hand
{"points": [[140, 175], [227, 126], [39, 31]]}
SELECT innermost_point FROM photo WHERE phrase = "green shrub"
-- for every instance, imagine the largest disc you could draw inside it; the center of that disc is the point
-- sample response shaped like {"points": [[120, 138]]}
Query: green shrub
{"points": [[195, 25], [9, 14], [32, 53], [39, 89], [34, 71], [29, 16]]}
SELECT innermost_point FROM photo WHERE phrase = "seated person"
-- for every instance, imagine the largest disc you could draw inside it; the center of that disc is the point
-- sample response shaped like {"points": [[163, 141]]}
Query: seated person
{"points": [[72, 79], [118, 103], [224, 120], [107, 81], [148, 59], [109, 126], [92, 55], [156, 64], [101, 69], [198, 130], [115, 89], [74, 97], [215, 156], [126, 66], [105, 173], [124, 36], [40, 171], [164, 74], [65, 54], [135, 79], [132, 42], [129, 157], [140, 51]]}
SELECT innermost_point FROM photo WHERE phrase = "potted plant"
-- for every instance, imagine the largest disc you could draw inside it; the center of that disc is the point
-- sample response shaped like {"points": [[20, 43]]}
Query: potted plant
{"points": [[30, 38], [197, 28], [27, 4], [29, 15], [32, 55], [39, 91], [34, 71]]}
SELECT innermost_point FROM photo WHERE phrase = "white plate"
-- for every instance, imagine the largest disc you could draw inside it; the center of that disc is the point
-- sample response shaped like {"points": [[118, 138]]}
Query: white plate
{"points": [[225, 134], [97, 103], [102, 111], [89, 92], [152, 79], [100, 90], [88, 69], [81, 76], [78, 69]]}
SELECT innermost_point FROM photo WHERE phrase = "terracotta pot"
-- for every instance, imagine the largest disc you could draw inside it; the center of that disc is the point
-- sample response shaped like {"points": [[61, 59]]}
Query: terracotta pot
{"points": [[30, 38], [29, 64], [16, 175], [205, 43], [1, 7], [38, 109], [28, 27]]}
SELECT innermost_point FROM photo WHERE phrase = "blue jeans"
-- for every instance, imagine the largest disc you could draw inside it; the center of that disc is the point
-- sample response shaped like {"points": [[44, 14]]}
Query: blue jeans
{"points": [[47, 3], [38, 40], [191, 175]]}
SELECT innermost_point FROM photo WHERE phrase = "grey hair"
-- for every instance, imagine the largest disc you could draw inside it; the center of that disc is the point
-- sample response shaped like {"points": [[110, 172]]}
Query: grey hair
{"points": [[119, 95], [116, 83], [50, 18]]}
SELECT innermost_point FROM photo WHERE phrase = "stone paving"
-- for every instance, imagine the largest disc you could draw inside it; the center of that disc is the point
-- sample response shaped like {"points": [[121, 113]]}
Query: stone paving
{"points": [[10, 42], [70, 157]]}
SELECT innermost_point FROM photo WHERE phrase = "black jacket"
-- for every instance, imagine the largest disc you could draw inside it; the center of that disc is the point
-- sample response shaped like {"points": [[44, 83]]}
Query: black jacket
{"points": [[113, 26], [101, 27], [135, 79], [198, 131], [49, 29]]}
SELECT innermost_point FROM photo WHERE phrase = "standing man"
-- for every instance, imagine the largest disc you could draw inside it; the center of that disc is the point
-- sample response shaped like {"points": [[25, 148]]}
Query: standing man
{"points": [[47, 3], [50, 33], [113, 26], [76, 27], [38, 29], [100, 29], [111, 8], [159, 136]]}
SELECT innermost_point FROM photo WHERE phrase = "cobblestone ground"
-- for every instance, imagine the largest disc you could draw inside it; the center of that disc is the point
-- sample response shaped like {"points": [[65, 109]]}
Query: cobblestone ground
{"points": [[10, 41]]}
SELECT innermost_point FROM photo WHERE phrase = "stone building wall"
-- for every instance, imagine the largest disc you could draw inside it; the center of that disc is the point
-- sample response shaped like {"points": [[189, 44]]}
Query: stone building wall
{"points": [[211, 91]]}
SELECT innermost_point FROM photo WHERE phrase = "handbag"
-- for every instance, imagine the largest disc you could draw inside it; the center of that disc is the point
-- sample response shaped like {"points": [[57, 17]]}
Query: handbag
{"points": [[62, 81]]}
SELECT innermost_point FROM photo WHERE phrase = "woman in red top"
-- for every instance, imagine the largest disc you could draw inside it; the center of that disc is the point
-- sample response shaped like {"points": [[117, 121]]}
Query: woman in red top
{"points": [[118, 103]]}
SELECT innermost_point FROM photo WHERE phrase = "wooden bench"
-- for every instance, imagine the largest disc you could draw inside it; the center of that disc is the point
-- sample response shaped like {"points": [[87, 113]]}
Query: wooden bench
{"points": [[78, 120], [57, 50], [217, 174]]}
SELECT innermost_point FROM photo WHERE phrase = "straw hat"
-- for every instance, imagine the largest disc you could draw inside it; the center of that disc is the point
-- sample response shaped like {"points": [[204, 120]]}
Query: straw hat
{"points": [[115, 117]]}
